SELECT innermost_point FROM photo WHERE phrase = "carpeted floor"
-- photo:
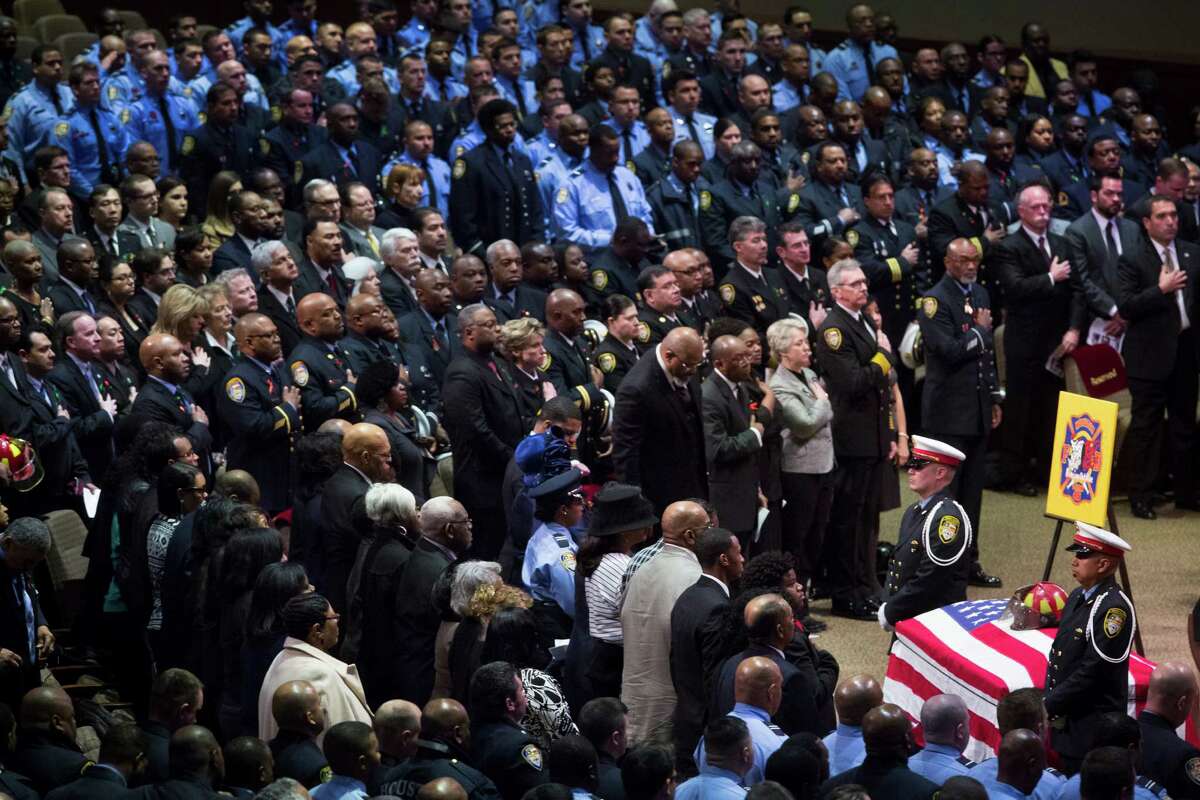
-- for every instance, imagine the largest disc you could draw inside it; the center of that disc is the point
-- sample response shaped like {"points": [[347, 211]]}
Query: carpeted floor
{"points": [[1163, 568]]}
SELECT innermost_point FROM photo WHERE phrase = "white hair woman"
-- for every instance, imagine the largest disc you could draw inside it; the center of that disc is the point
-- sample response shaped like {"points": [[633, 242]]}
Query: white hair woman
{"points": [[365, 274], [807, 465], [463, 582]]}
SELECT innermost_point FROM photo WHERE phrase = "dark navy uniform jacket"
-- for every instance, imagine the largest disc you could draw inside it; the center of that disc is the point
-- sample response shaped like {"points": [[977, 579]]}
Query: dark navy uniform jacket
{"points": [[928, 570], [263, 428], [510, 756], [319, 369]]}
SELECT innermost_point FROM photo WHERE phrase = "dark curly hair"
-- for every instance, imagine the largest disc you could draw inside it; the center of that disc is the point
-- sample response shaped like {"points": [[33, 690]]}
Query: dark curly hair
{"points": [[318, 455], [766, 570], [375, 382]]}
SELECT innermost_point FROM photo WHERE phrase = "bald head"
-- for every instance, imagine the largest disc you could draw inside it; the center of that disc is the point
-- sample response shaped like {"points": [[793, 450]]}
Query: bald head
{"points": [[856, 696], [41, 707], [758, 682], [769, 620], [972, 170], [310, 308], [442, 789], [397, 726], [362, 313], [194, 751], [685, 341], [240, 485], [725, 349], [886, 730], [362, 447], [1172, 691], [682, 521], [944, 720], [248, 324], [155, 349], [339, 426], [1022, 757], [444, 719], [296, 707]]}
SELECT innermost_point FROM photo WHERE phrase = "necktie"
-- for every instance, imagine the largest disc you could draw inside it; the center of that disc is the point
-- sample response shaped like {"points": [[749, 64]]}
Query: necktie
{"points": [[151, 235], [112, 245], [520, 96], [1111, 241], [691, 202], [1045, 250], [6, 368], [1169, 263], [866, 51], [844, 198], [693, 134], [415, 109], [30, 622], [332, 282], [492, 366], [172, 145], [352, 160], [101, 145], [627, 137], [587, 46], [86, 296], [55, 99], [184, 403], [681, 391], [291, 305], [962, 101], [618, 203], [440, 330], [433, 195], [374, 242]]}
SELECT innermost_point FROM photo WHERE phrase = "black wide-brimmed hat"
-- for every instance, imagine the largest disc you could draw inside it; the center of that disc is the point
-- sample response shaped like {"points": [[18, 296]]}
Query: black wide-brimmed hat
{"points": [[620, 508]]}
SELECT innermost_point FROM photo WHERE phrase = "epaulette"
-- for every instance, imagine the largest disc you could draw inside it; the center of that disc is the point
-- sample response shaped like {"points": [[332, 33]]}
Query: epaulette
{"points": [[966, 762]]}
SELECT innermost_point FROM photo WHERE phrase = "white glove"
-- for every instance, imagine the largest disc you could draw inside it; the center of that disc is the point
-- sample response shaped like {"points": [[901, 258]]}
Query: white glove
{"points": [[883, 622]]}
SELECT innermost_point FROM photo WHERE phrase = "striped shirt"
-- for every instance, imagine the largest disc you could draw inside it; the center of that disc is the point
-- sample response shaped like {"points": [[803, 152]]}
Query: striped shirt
{"points": [[604, 588]]}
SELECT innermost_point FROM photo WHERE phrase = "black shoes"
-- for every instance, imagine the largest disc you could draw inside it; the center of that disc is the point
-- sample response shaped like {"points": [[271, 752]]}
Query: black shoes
{"points": [[1142, 509], [980, 578], [853, 610]]}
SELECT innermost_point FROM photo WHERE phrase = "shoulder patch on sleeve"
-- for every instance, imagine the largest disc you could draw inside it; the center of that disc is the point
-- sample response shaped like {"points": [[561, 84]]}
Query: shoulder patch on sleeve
{"points": [[264, 146], [793, 203], [113, 93], [1114, 622], [728, 293], [705, 200], [599, 278], [1192, 769], [61, 129], [929, 306], [124, 116], [460, 168], [563, 195], [643, 334], [297, 172], [805, 156], [299, 373], [607, 362], [326, 774], [948, 528], [532, 755], [1063, 199], [235, 389], [833, 338], [547, 360], [189, 144], [852, 237]]}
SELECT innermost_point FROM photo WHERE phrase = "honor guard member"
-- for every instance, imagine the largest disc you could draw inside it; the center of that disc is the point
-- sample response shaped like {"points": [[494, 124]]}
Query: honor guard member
{"points": [[285, 146], [956, 324], [675, 200], [929, 565], [319, 367], [744, 193], [262, 409], [659, 314], [162, 118], [33, 112], [493, 194], [681, 88], [599, 195], [751, 291], [500, 748], [94, 139], [1088, 669], [221, 143]]}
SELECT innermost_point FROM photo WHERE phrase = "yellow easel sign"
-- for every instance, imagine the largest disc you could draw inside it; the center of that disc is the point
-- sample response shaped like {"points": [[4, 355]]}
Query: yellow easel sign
{"points": [[1081, 459]]}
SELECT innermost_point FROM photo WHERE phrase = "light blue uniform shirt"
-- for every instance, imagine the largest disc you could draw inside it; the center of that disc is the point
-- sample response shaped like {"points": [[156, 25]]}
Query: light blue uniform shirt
{"points": [[583, 207], [1047, 788], [78, 138], [462, 51], [846, 748], [1070, 790], [785, 96], [509, 92], [553, 172], [703, 123], [1003, 791], [765, 736], [716, 19], [473, 136], [340, 787], [32, 118], [446, 92], [945, 161], [146, 124], [238, 29], [638, 138], [595, 37], [713, 783], [347, 75], [417, 34], [549, 569], [939, 763], [1100, 100], [845, 62]]}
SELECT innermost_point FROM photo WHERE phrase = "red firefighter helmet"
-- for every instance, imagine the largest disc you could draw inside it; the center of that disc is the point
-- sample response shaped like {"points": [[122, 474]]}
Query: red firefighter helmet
{"points": [[23, 466], [1038, 605]]}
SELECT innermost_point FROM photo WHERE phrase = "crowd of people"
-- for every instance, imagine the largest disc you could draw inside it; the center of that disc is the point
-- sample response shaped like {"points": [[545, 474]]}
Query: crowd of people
{"points": [[467, 402]]}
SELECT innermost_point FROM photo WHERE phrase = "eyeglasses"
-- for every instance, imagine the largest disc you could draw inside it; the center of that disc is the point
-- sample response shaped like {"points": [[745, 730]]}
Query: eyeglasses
{"points": [[333, 617], [917, 464], [271, 335], [861, 283]]}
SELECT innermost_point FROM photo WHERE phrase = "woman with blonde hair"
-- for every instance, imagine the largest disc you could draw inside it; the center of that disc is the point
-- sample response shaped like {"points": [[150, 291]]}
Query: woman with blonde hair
{"points": [[218, 226], [521, 345], [466, 645], [403, 188], [181, 314], [452, 597]]}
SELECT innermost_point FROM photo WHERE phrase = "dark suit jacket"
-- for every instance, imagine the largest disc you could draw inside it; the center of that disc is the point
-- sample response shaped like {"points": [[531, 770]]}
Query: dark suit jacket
{"points": [[953, 219], [489, 201], [1152, 337], [344, 491], [884, 780], [800, 295], [416, 621], [689, 646], [483, 419], [324, 161], [417, 332], [233, 254], [154, 402], [731, 449], [145, 307], [658, 442], [803, 693], [819, 206], [1039, 311], [66, 299], [289, 327], [15, 637], [530, 303], [1089, 254], [396, 294], [98, 783], [92, 426]]}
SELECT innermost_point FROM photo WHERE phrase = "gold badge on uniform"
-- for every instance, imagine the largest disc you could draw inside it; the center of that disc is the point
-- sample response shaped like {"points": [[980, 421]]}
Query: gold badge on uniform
{"points": [[1063, 199], [705, 199], [297, 172], [563, 195], [113, 94], [607, 362], [61, 129], [125, 116], [532, 756], [793, 203], [833, 338], [852, 238], [804, 157], [629, 165], [929, 306], [300, 373], [666, 70], [545, 365], [728, 293], [948, 529], [1192, 768], [460, 168], [276, 113], [643, 334], [1114, 621], [235, 390], [568, 561], [599, 277], [189, 144], [759, 303], [203, 117], [265, 146]]}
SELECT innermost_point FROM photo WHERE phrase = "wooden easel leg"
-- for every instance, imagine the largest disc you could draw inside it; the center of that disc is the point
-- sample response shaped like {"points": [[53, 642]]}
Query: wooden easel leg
{"points": [[1058, 526], [1124, 573]]}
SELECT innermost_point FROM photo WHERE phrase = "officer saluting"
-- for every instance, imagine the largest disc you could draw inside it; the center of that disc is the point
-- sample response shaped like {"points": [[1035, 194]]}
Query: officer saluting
{"points": [[929, 566], [1088, 671], [262, 409]]}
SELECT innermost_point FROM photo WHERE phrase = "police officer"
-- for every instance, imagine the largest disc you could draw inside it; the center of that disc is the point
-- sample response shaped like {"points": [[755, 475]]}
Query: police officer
{"points": [[296, 709], [681, 88], [659, 314], [751, 291], [94, 139], [675, 200], [221, 143], [616, 268], [744, 193], [960, 373], [599, 195], [445, 732], [493, 194], [161, 117], [33, 112], [829, 204], [319, 366], [499, 747], [1088, 670], [262, 408], [555, 169], [929, 564], [617, 353], [285, 146], [548, 569]]}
